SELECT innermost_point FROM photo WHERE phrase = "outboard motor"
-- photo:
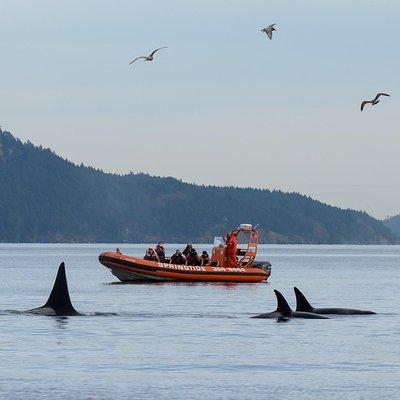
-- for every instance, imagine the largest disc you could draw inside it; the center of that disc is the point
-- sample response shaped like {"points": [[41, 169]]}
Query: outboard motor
{"points": [[264, 265]]}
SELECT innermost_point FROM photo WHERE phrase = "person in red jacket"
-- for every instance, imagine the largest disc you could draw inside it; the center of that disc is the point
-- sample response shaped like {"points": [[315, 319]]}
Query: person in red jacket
{"points": [[231, 250]]}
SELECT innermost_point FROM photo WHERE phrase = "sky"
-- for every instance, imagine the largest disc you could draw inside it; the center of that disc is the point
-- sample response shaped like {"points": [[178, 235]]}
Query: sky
{"points": [[222, 105]]}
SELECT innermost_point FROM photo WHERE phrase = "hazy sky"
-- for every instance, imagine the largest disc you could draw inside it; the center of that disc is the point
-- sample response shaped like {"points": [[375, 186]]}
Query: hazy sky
{"points": [[223, 104]]}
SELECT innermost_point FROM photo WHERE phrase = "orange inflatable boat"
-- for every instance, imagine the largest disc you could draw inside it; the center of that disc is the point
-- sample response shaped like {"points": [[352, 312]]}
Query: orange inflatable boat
{"points": [[220, 268]]}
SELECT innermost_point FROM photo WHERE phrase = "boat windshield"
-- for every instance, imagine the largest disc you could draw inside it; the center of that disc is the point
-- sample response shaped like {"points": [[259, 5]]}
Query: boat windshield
{"points": [[243, 238], [218, 241]]}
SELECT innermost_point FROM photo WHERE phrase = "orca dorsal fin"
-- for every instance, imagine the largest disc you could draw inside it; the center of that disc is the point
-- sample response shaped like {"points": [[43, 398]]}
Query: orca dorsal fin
{"points": [[302, 303], [59, 299], [282, 305]]}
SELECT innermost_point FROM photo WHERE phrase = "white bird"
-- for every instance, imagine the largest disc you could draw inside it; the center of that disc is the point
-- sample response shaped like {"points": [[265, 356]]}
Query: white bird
{"points": [[150, 57], [268, 30], [374, 101]]}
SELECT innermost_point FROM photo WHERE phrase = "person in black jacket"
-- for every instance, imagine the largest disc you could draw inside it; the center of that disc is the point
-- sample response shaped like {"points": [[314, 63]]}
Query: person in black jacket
{"points": [[160, 251], [205, 258], [193, 258], [187, 250], [177, 258]]}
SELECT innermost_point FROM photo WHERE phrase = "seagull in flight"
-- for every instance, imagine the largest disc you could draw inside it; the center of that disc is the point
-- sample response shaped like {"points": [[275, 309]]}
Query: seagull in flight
{"points": [[268, 30], [150, 57], [374, 101]]}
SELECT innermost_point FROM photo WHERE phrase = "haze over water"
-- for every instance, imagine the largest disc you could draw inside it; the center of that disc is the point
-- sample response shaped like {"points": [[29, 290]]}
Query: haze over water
{"points": [[180, 341]]}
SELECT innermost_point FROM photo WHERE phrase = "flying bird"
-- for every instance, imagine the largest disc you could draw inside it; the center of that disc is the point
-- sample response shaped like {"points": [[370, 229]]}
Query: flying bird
{"points": [[150, 57], [268, 30], [374, 101]]}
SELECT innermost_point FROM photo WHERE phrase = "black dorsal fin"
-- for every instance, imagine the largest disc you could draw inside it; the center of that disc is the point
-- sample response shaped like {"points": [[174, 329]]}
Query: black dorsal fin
{"points": [[59, 299], [282, 306], [302, 303]]}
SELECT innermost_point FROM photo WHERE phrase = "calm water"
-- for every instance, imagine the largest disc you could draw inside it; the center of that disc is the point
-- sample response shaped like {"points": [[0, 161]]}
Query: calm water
{"points": [[196, 341]]}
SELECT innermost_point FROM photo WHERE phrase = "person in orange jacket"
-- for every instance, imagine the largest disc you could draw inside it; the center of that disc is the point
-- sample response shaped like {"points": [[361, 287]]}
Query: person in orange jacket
{"points": [[231, 250]]}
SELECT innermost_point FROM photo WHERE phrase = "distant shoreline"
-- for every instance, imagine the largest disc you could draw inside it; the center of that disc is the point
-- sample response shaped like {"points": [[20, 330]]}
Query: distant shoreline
{"points": [[48, 199]]}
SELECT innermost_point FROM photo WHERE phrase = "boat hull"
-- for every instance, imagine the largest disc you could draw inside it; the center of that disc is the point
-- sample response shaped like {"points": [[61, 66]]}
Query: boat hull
{"points": [[128, 268]]}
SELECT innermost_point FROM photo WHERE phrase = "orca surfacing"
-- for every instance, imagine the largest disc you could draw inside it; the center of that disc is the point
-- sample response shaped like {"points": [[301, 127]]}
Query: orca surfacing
{"points": [[59, 302], [283, 311], [302, 304]]}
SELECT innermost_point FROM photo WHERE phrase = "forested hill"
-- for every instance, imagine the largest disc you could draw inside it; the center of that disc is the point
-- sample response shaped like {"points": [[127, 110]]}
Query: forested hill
{"points": [[394, 224], [44, 198]]}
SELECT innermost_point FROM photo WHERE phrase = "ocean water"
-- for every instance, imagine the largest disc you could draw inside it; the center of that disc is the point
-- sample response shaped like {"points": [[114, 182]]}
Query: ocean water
{"points": [[197, 341]]}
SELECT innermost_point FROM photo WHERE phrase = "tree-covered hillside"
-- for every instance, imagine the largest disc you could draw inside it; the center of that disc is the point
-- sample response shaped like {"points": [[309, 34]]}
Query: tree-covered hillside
{"points": [[394, 224], [44, 198]]}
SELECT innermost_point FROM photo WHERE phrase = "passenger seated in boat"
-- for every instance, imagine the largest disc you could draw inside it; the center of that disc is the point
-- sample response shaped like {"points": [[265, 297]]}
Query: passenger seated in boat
{"points": [[177, 258], [160, 251], [193, 258], [187, 250], [205, 258], [151, 255]]}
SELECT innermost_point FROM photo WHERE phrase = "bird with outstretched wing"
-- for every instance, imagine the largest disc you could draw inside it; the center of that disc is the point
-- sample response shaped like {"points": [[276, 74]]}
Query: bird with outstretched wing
{"points": [[373, 101], [268, 30], [379, 95], [150, 57]]}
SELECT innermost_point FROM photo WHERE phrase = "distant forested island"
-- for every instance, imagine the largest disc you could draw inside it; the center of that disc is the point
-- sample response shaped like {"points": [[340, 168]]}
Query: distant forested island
{"points": [[393, 223], [45, 198]]}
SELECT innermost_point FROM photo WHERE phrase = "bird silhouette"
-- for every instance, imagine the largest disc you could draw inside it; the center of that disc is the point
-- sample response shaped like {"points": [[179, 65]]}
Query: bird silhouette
{"points": [[268, 30], [373, 101], [150, 57]]}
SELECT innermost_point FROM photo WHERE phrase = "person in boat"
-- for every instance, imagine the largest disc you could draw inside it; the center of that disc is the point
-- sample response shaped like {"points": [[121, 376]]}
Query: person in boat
{"points": [[193, 258], [118, 251], [151, 255], [205, 258], [187, 250], [177, 258], [160, 251], [231, 250]]}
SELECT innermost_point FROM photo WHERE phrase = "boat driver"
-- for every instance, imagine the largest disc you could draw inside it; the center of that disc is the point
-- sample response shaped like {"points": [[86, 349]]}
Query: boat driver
{"points": [[231, 250]]}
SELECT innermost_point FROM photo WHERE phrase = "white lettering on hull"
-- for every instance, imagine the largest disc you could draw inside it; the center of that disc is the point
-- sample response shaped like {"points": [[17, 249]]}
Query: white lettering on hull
{"points": [[198, 268], [182, 267], [222, 269]]}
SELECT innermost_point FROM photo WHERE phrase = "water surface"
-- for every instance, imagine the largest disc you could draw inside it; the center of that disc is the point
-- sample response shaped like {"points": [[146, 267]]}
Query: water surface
{"points": [[197, 341]]}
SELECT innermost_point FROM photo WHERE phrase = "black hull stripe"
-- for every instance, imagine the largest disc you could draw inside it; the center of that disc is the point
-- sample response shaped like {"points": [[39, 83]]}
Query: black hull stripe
{"points": [[142, 267]]}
